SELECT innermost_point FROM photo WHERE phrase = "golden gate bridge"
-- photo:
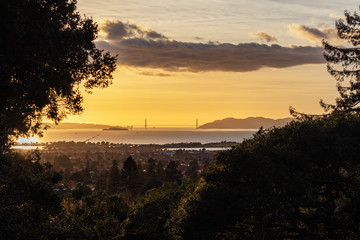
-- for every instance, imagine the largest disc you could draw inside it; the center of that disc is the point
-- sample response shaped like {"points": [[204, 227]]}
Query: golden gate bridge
{"points": [[148, 124]]}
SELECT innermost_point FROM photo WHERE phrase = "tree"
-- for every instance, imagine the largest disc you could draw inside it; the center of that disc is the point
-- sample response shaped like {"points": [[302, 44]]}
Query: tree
{"points": [[343, 64], [192, 170], [98, 216], [114, 178], [28, 202], [47, 52], [150, 215], [129, 176], [300, 181], [172, 172], [151, 176]]}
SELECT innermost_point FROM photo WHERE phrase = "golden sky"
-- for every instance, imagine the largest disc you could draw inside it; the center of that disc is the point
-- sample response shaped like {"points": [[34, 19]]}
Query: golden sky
{"points": [[185, 60]]}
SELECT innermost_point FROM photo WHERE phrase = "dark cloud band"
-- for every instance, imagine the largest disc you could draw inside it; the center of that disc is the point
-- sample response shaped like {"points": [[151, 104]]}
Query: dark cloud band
{"points": [[196, 57], [117, 30], [146, 48]]}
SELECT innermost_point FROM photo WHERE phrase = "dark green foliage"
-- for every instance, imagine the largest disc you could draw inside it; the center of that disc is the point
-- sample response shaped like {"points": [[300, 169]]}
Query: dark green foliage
{"points": [[151, 178], [129, 170], [47, 51], [160, 172], [129, 177], [82, 176], [172, 172], [99, 216], [301, 181], [27, 199], [149, 218], [343, 64], [192, 171], [62, 162], [151, 167], [114, 178], [81, 191]]}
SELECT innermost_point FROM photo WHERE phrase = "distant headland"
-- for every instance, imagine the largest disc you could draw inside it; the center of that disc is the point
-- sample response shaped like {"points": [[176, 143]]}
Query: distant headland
{"points": [[226, 123], [247, 123]]}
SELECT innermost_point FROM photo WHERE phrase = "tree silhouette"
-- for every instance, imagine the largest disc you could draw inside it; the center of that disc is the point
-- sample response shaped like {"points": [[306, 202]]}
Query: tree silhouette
{"points": [[172, 173], [28, 200], [299, 181], [114, 178], [151, 176], [47, 52], [192, 170], [343, 64], [129, 176]]}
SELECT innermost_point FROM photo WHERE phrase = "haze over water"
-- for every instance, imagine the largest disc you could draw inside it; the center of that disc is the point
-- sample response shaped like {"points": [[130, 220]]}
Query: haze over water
{"points": [[146, 136]]}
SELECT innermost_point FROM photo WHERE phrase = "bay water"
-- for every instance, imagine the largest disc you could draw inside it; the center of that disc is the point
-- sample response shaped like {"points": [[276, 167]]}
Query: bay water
{"points": [[145, 136]]}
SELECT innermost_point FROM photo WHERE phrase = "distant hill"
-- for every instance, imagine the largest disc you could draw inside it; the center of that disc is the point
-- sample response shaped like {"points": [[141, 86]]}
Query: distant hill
{"points": [[77, 126], [247, 123]]}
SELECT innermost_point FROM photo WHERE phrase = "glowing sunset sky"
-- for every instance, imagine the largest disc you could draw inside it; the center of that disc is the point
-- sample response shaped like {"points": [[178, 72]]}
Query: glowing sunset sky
{"points": [[183, 60]]}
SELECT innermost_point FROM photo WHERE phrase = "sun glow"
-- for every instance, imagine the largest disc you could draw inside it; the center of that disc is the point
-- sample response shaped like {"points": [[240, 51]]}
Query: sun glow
{"points": [[23, 140]]}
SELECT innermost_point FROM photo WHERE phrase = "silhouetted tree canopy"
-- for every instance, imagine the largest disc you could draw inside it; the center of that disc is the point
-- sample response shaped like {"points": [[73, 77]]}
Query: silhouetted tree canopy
{"points": [[114, 178], [149, 218], [129, 177], [27, 198], [47, 52], [172, 172], [98, 216], [343, 64], [297, 182], [192, 170]]}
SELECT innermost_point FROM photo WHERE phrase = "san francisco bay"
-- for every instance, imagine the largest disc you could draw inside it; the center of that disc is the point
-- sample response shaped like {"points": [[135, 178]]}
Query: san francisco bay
{"points": [[145, 136]]}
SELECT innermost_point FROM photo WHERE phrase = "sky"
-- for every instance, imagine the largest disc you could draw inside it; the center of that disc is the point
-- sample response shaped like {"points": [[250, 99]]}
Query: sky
{"points": [[179, 61]]}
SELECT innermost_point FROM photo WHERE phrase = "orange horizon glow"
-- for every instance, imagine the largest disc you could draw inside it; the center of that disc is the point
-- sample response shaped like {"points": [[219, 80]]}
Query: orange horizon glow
{"points": [[207, 96]]}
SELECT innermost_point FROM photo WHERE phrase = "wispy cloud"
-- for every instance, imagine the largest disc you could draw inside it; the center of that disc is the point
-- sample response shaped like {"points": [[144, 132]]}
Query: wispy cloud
{"points": [[336, 16], [153, 74], [141, 50], [313, 34], [264, 36]]}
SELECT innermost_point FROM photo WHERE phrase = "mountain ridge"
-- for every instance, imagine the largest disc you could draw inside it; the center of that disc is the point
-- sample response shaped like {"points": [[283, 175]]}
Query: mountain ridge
{"points": [[245, 123]]}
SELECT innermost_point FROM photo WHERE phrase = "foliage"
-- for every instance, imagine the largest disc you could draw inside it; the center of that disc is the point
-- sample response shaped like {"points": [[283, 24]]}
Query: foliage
{"points": [[343, 64], [152, 178], [97, 216], [296, 182], [46, 51], [129, 177], [192, 170], [172, 172], [149, 217], [28, 202], [114, 178]]}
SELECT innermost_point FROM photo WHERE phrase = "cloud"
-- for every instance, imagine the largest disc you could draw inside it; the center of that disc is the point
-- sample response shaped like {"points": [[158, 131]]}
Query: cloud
{"points": [[313, 34], [176, 56], [332, 15], [137, 47], [152, 74], [117, 30], [264, 36]]}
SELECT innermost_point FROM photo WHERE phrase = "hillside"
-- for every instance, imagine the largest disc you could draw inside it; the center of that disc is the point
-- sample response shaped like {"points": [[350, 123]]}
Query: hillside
{"points": [[77, 126], [247, 123]]}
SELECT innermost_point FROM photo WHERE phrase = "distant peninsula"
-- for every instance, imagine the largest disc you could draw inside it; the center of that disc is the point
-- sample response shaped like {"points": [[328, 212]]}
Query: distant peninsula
{"points": [[77, 126], [247, 123]]}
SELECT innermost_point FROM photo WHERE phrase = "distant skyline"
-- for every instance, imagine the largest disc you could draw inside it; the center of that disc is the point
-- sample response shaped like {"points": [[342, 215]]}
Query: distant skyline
{"points": [[187, 60]]}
